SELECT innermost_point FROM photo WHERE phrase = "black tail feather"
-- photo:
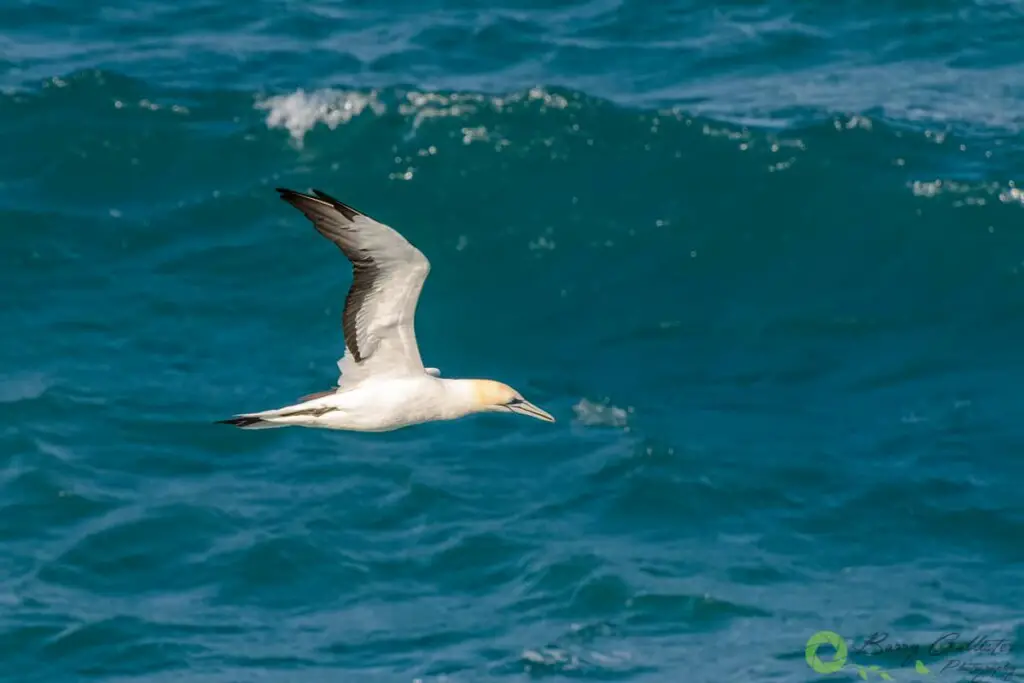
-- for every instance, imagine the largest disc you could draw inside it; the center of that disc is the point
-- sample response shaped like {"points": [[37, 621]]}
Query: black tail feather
{"points": [[241, 421]]}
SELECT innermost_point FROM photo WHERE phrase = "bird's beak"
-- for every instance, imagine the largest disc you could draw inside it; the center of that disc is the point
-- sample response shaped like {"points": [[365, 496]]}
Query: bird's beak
{"points": [[527, 408]]}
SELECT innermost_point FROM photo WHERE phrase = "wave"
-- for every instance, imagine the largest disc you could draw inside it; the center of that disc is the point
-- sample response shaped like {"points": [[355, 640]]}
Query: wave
{"points": [[759, 212], [197, 146], [836, 213]]}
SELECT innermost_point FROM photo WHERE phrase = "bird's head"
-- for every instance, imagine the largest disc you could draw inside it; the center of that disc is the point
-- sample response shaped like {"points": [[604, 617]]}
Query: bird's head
{"points": [[491, 396]]}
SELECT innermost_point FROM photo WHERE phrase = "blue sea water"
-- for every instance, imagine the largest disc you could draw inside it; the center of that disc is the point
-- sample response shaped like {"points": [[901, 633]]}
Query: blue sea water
{"points": [[764, 261]]}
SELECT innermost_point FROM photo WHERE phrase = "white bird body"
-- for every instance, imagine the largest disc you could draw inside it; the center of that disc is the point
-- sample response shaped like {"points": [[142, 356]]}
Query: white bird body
{"points": [[378, 405], [383, 384]]}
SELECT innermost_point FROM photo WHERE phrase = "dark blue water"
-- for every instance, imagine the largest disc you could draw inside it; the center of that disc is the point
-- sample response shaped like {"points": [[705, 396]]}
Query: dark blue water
{"points": [[764, 261]]}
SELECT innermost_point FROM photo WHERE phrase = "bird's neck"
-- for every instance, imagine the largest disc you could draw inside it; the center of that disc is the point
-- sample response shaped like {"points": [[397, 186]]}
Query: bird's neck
{"points": [[462, 396]]}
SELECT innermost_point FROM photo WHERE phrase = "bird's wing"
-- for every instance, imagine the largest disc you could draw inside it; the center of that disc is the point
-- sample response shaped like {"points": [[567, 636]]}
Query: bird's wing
{"points": [[387, 278]]}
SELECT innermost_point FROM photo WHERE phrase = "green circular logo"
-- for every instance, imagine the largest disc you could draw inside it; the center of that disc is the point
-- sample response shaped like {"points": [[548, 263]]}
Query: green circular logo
{"points": [[826, 638]]}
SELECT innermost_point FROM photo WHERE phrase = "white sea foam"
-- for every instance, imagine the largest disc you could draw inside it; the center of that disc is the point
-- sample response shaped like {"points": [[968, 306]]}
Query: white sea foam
{"points": [[603, 414], [300, 111]]}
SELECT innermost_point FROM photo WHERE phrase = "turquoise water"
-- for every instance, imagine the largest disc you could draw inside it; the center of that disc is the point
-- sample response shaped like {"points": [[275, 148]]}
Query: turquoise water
{"points": [[764, 261]]}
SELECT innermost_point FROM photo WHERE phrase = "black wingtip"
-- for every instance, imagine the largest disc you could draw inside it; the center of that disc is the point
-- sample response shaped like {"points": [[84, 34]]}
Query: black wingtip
{"points": [[240, 421], [320, 196], [346, 210], [287, 193]]}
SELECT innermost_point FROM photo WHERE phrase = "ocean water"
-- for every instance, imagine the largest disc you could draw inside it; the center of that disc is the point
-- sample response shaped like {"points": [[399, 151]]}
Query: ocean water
{"points": [[764, 261]]}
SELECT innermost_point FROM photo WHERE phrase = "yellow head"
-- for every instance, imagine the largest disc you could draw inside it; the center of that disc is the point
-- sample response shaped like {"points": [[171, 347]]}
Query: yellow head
{"points": [[491, 396]]}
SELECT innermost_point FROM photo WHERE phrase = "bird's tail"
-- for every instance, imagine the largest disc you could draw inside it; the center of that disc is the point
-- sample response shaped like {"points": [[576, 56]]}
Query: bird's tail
{"points": [[305, 413], [250, 422]]}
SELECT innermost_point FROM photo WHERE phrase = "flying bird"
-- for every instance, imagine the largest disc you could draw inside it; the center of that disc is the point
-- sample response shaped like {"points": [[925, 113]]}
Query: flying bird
{"points": [[383, 384]]}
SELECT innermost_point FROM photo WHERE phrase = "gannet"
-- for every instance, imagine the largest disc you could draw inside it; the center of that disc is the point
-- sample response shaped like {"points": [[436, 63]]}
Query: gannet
{"points": [[383, 384]]}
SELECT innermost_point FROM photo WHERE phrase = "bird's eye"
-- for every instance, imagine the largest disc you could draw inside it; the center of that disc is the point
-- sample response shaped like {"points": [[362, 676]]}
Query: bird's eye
{"points": [[515, 402]]}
